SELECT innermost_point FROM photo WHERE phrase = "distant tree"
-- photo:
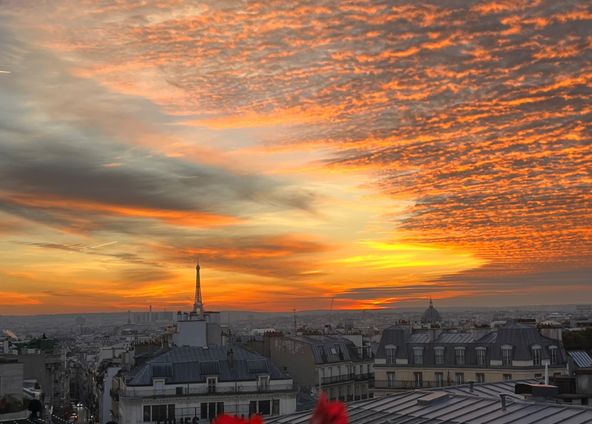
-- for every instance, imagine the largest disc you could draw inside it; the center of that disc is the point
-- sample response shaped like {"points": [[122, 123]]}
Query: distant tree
{"points": [[578, 340]]}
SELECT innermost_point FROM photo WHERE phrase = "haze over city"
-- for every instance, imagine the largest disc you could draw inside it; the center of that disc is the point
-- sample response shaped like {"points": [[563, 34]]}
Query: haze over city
{"points": [[312, 154]]}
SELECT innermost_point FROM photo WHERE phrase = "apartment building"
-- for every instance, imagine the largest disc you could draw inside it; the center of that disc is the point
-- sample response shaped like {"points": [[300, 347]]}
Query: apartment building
{"points": [[415, 358]]}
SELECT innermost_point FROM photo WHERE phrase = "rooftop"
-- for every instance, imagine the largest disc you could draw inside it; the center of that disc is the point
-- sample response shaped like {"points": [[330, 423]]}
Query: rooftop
{"points": [[581, 358], [189, 364], [455, 405]]}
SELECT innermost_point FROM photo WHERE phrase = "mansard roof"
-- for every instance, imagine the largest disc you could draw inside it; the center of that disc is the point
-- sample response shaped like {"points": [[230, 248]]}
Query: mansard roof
{"points": [[330, 349], [190, 364], [522, 338]]}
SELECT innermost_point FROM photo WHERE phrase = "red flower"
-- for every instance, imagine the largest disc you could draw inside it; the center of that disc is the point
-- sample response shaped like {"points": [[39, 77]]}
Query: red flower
{"points": [[329, 412], [231, 419]]}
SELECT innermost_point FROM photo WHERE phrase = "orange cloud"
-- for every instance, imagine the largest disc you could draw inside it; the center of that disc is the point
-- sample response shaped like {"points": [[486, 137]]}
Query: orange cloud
{"points": [[174, 217]]}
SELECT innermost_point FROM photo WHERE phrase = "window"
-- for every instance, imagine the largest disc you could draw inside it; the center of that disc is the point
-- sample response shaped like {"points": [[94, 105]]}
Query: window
{"points": [[204, 411], [418, 377], [536, 355], [262, 407], [553, 354], [147, 414], [507, 377], [480, 377], [159, 412], [459, 355], [210, 410], [538, 375], [418, 355], [211, 384], [460, 378], [481, 351], [263, 382], [390, 379], [506, 355], [179, 390], [439, 355], [391, 351], [275, 407], [439, 379]]}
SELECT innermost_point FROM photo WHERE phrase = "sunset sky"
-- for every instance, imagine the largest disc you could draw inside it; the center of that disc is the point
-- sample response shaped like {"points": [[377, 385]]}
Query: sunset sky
{"points": [[374, 153]]}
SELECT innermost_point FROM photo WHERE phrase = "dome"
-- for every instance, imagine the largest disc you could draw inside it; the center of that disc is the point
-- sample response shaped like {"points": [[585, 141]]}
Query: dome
{"points": [[431, 315]]}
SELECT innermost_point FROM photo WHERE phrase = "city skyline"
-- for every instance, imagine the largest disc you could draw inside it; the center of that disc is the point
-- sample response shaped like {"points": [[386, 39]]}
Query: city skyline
{"points": [[313, 155]]}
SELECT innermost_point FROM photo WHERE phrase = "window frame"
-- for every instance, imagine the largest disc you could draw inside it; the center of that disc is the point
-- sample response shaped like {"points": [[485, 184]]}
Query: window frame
{"points": [[481, 355], [418, 353], [460, 355]]}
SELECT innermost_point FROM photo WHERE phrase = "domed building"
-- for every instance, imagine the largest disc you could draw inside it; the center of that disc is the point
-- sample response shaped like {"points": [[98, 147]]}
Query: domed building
{"points": [[431, 315]]}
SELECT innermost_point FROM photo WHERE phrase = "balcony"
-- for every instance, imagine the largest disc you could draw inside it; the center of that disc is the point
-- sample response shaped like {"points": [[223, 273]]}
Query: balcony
{"points": [[407, 384], [149, 392], [363, 377], [337, 379]]}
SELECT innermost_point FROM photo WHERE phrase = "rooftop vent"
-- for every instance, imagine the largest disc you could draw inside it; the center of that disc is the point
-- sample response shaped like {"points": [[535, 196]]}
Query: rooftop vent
{"points": [[432, 398]]}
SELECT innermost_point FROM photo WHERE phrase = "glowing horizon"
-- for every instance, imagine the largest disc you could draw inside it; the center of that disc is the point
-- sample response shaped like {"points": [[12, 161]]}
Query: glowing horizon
{"points": [[368, 154]]}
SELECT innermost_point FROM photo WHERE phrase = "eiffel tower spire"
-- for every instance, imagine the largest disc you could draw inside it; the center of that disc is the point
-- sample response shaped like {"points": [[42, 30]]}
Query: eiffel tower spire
{"points": [[198, 303]]}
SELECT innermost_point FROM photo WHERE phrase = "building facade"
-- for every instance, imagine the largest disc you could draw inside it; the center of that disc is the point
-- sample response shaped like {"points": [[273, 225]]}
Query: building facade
{"points": [[332, 364], [11, 388], [411, 358], [195, 384]]}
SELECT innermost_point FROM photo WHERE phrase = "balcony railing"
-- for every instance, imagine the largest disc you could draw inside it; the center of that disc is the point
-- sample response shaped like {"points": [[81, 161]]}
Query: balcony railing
{"points": [[409, 384], [337, 378], [365, 376], [347, 377], [181, 391]]}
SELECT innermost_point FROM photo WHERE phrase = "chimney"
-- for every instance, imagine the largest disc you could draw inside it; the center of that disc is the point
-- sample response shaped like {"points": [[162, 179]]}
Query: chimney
{"points": [[503, 399], [230, 358]]}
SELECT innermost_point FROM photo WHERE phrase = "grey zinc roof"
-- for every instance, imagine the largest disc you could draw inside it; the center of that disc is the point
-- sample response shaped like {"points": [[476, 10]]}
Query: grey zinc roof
{"points": [[581, 358], [328, 349], [193, 364], [447, 406], [493, 389], [521, 337], [456, 338]]}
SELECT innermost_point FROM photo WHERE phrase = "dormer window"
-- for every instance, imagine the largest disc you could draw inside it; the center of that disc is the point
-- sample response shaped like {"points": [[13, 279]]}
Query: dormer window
{"points": [[459, 355], [212, 384], [263, 382], [507, 355], [418, 355], [481, 352], [439, 355], [391, 351], [536, 355], [553, 354]]}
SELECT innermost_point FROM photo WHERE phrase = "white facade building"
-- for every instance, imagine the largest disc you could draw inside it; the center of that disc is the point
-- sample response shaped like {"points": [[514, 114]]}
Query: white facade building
{"points": [[194, 385]]}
